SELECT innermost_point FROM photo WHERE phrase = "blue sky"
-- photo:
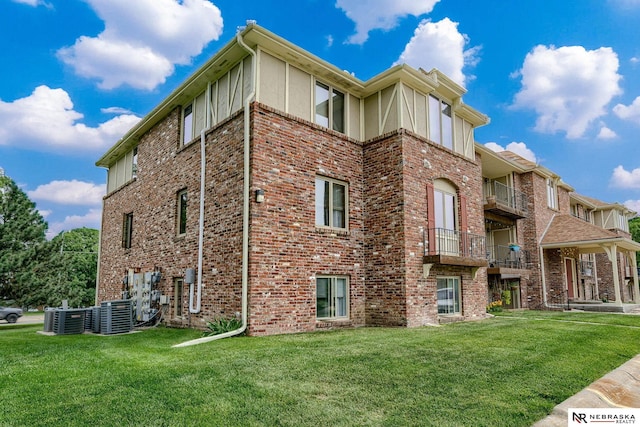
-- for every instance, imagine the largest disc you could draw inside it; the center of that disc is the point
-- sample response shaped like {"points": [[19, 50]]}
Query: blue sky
{"points": [[560, 80]]}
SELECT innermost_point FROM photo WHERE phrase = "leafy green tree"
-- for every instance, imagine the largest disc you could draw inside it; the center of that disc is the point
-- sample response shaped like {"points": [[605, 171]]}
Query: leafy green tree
{"points": [[72, 266], [22, 244], [634, 228]]}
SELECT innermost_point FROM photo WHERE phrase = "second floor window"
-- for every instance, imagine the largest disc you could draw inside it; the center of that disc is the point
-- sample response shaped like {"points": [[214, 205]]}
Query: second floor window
{"points": [[127, 230], [182, 212], [329, 107], [552, 194], [331, 203]]}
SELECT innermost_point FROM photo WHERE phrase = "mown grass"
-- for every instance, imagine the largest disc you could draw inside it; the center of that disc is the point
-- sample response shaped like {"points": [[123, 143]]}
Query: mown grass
{"points": [[497, 372]]}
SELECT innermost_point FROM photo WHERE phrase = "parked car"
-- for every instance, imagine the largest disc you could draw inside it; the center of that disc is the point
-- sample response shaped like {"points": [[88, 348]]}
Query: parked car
{"points": [[10, 314]]}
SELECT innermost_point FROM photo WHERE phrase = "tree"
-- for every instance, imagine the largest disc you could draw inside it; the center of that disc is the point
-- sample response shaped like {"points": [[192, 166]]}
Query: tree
{"points": [[634, 228], [22, 244], [72, 266]]}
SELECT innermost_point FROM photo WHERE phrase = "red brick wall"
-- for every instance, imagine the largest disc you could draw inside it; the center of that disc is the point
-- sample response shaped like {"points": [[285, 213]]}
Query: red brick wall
{"points": [[164, 168], [398, 167], [287, 250], [381, 253]]}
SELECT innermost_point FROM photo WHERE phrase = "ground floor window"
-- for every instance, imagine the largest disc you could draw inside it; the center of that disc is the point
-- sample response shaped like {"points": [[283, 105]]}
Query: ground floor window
{"points": [[177, 299], [448, 295], [332, 297]]}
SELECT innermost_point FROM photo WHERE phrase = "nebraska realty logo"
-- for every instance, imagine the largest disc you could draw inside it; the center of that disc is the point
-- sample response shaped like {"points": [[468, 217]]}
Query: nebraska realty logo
{"points": [[603, 416]]}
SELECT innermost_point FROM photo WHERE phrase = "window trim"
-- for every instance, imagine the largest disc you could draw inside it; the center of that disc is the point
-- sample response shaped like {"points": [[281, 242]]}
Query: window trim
{"points": [[127, 230], [183, 121], [331, 182], [431, 121], [178, 283], [457, 291], [181, 209], [331, 107], [331, 294], [552, 194]]}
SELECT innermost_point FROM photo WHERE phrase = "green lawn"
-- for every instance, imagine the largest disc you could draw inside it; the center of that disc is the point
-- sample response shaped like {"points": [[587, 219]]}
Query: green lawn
{"points": [[499, 372]]}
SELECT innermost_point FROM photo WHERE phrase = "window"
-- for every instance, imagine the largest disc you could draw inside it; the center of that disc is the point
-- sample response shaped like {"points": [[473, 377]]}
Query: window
{"points": [[182, 212], [127, 230], [194, 118], [623, 223], [329, 107], [177, 299], [331, 203], [448, 295], [552, 194], [134, 166], [332, 297], [187, 124], [444, 219], [440, 122]]}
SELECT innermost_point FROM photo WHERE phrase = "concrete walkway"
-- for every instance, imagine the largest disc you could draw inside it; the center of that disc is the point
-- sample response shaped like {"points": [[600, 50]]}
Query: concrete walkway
{"points": [[620, 388]]}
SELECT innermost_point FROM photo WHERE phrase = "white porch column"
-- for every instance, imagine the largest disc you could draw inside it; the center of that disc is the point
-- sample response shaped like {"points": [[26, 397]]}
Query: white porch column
{"points": [[612, 254]]}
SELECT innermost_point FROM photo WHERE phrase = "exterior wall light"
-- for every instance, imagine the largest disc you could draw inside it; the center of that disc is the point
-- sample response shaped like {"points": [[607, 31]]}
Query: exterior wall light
{"points": [[259, 196]]}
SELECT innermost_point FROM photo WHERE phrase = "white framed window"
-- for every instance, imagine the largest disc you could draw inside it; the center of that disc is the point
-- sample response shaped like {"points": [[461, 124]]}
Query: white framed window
{"points": [[329, 107], [134, 163], [623, 223], [178, 289], [194, 118], [332, 297], [448, 293], [446, 233], [440, 122], [552, 194], [331, 203], [181, 210]]}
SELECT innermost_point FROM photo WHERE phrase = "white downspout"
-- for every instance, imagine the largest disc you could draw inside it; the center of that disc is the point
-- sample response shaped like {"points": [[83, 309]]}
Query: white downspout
{"points": [[245, 209], [203, 168]]}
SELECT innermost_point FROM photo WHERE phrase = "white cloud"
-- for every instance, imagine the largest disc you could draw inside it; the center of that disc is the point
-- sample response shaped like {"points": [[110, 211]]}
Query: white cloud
{"points": [[91, 219], [143, 40], [520, 148], [383, 15], [72, 192], [629, 112], [634, 205], [33, 3], [439, 45], [46, 120], [115, 110], [606, 133], [568, 87], [624, 179]]}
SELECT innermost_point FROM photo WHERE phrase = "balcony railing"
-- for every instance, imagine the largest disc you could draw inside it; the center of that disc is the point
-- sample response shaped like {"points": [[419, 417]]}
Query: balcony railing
{"points": [[454, 247], [508, 257], [505, 197]]}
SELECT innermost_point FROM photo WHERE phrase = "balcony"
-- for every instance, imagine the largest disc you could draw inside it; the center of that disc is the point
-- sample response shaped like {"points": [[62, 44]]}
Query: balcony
{"points": [[503, 200], [452, 247], [508, 262]]}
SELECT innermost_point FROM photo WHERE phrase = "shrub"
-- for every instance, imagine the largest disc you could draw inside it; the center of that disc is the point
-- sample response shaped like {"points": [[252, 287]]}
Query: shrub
{"points": [[221, 325], [494, 306]]}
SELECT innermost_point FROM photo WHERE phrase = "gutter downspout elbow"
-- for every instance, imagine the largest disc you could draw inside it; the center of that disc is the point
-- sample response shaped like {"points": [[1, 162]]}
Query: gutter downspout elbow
{"points": [[245, 209]]}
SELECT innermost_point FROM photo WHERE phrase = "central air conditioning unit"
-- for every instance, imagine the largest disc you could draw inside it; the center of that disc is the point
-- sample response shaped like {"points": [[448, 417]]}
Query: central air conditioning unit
{"points": [[95, 320], [49, 313], [116, 317], [88, 319], [68, 321]]}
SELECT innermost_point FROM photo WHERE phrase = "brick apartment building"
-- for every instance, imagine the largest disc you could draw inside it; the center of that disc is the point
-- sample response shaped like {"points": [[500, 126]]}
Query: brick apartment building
{"points": [[275, 187], [569, 248]]}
